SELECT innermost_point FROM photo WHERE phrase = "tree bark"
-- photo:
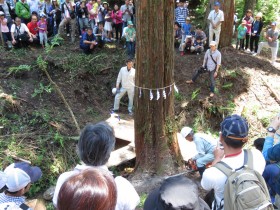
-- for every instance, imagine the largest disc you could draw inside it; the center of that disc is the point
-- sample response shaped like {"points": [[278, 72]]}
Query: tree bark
{"points": [[249, 4], [227, 25], [155, 133]]}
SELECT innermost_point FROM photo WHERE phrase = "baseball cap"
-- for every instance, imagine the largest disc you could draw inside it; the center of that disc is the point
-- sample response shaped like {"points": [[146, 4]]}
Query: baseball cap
{"points": [[129, 22], [16, 179], [217, 3], [235, 127], [188, 18], [273, 23], [185, 131], [259, 14], [244, 22], [34, 172], [2, 13], [213, 43], [177, 192]]}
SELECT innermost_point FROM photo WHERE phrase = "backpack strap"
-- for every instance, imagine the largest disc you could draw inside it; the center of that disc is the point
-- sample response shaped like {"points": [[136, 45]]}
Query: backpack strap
{"points": [[227, 170], [248, 158]]}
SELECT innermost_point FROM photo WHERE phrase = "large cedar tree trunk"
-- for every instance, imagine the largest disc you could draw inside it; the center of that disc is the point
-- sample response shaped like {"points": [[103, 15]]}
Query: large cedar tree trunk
{"points": [[249, 4], [154, 119], [227, 28]]}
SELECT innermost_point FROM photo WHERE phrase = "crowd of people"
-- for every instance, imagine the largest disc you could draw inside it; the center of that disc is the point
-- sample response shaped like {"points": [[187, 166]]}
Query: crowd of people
{"points": [[34, 22], [220, 162]]}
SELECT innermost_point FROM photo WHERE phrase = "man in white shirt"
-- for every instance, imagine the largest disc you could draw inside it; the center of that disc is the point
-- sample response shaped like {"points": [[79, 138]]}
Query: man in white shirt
{"points": [[216, 17], [234, 134], [20, 34], [127, 78]]}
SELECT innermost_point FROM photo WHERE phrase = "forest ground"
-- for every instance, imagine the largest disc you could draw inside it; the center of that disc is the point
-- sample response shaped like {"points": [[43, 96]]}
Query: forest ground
{"points": [[36, 126]]}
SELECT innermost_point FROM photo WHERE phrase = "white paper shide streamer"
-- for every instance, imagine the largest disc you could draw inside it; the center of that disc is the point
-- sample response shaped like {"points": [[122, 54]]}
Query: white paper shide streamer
{"points": [[140, 92], [158, 95], [176, 89], [151, 95], [164, 94]]}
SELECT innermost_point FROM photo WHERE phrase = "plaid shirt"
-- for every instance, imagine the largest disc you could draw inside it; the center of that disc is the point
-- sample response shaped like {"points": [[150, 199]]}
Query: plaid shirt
{"points": [[11, 199], [180, 14]]}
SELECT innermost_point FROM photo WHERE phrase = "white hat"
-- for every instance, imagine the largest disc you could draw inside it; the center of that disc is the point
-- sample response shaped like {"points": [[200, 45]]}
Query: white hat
{"points": [[17, 179], [259, 14], [114, 91], [186, 131], [2, 13], [3, 179], [212, 43]]}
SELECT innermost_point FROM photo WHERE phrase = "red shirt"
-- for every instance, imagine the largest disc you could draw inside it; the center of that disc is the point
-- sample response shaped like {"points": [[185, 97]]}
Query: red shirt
{"points": [[33, 28]]}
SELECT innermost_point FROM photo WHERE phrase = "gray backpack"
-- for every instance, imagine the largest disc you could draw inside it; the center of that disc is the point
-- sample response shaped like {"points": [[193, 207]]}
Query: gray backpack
{"points": [[245, 188]]}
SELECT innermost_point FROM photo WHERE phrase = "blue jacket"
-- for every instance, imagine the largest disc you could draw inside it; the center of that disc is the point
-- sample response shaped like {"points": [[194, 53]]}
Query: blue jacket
{"points": [[271, 152], [88, 38]]}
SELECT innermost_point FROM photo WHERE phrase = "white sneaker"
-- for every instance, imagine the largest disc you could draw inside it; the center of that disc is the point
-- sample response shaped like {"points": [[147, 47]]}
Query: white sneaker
{"points": [[68, 35], [255, 54], [248, 50]]}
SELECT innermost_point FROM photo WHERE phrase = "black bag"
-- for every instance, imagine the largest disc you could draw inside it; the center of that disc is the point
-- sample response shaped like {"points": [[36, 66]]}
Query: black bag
{"points": [[23, 37]]}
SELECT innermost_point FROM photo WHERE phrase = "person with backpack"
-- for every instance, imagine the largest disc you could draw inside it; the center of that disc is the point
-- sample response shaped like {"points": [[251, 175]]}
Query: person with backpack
{"points": [[235, 175], [211, 64]]}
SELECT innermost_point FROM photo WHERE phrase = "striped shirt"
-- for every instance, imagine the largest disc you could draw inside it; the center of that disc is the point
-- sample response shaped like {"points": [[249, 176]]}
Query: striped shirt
{"points": [[11, 199], [181, 14]]}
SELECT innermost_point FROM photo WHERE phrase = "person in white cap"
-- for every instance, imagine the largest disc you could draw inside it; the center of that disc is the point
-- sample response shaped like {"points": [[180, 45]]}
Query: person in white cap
{"points": [[211, 64], [205, 146], [271, 42], [215, 18], [19, 177]]}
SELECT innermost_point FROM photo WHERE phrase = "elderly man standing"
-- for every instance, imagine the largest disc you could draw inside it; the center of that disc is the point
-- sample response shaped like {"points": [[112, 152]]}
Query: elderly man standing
{"points": [[127, 78], [211, 64], [216, 17], [271, 42]]}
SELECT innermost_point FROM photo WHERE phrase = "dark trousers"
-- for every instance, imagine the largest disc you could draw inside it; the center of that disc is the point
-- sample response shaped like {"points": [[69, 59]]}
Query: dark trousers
{"points": [[247, 40], [211, 75], [240, 44], [130, 49], [6, 36], [118, 28], [254, 40]]}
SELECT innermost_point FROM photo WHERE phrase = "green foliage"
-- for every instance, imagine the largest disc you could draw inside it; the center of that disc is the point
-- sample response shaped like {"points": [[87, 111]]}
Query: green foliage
{"points": [[143, 198], [195, 93], [41, 89], [265, 121], [178, 96], [270, 9], [19, 69], [43, 65], [59, 139], [56, 41], [227, 85]]}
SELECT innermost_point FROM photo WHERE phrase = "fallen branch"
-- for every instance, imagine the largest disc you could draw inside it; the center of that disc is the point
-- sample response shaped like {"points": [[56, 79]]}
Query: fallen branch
{"points": [[277, 98], [18, 158]]}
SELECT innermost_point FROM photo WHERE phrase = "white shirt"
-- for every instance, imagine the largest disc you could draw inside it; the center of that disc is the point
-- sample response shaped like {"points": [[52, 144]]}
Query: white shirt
{"points": [[127, 198], [213, 178], [127, 78], [216, 17], [22, 28]]}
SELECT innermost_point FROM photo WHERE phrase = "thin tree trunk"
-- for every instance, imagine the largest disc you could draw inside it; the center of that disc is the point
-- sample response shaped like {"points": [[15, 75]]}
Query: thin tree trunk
{"points": [[155, 138]]}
